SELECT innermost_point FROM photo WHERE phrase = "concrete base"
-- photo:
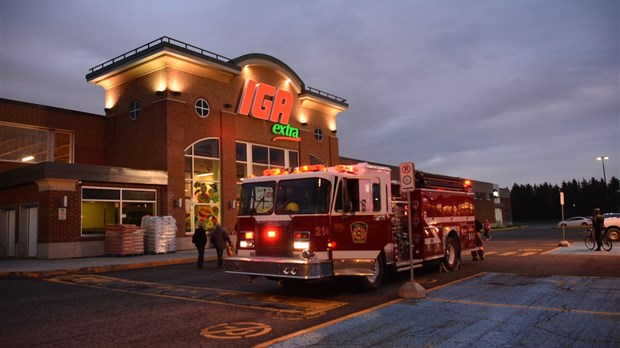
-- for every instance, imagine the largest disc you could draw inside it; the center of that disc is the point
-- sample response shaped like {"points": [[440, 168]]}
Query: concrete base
{"points": [[412, 290], [564, 243]]}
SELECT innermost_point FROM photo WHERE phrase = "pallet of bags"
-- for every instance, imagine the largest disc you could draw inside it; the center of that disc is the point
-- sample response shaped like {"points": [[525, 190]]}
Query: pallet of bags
{"points": [[124, 240], [160, 234]]}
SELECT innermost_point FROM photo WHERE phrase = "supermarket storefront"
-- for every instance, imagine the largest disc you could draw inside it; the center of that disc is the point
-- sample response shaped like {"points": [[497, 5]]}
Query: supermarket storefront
{"points": [[182, 127]]}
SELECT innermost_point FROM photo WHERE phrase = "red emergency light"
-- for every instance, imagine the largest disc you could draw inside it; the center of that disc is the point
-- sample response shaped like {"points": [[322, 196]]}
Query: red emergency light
{"points": [[271, 234]]}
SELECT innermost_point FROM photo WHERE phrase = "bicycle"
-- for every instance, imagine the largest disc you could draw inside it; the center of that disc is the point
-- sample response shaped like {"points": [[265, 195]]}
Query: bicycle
{"points": [[590, 240]]}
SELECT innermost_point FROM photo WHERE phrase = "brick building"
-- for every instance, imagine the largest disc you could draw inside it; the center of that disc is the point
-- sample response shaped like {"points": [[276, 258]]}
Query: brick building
{"points": [[182, 127]]}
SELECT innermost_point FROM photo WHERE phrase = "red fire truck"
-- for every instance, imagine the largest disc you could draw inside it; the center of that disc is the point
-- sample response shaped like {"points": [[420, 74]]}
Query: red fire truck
{"points": [[316, 221]]}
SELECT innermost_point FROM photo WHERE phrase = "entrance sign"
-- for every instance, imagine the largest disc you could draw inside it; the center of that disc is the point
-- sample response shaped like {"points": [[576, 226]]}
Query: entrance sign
{"points": [[265, 102], [407, 182]]}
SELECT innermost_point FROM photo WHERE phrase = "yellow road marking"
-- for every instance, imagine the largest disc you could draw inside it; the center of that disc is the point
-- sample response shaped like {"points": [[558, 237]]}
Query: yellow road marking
{"points": [[356, 314], [283, 307], [236, 330], [506, 305]]}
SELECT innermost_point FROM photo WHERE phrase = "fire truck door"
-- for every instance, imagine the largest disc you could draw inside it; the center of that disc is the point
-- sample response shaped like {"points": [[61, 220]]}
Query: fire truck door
{"points": [[358, 228]]}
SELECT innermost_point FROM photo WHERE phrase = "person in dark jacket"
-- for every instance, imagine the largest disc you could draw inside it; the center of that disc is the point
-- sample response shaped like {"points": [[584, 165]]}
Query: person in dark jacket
{"points": [[598, 224], [200, 240], [478, 255], [220, 238]]}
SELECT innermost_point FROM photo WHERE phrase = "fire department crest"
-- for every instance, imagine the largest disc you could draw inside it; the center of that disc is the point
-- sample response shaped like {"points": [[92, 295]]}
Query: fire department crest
{"points": [[359, 230]]}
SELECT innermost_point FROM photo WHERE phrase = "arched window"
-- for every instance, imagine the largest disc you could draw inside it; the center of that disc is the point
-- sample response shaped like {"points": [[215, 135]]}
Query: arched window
{"points": [[314, 159], [202, 184]]}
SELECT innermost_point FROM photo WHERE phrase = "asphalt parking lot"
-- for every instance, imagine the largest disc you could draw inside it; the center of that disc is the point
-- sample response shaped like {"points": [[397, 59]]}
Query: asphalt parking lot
{"points": [[487, 310]]}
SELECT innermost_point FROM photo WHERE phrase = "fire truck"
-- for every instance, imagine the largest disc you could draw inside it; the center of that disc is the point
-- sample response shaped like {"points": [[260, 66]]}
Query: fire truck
{"points": [[314, 221]]}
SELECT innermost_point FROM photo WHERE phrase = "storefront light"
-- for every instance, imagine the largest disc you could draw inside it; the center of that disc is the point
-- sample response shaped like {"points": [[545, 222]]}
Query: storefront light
{"points": [[27, 158]]}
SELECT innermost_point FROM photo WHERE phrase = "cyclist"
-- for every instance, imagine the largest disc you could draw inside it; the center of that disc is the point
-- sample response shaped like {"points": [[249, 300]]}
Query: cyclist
{"points": [[598, 224]]}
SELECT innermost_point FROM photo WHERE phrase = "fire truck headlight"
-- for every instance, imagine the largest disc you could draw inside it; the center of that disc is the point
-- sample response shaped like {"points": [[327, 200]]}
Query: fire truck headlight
{"points": [[246, 244], [301, 245]]}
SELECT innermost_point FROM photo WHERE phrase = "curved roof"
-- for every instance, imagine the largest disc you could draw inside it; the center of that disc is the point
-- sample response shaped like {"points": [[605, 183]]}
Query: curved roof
{"points": [[270, 61]]}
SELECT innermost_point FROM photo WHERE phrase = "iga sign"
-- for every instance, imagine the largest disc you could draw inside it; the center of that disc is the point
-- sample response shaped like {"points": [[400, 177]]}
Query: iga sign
{"points": [[265, 102]]}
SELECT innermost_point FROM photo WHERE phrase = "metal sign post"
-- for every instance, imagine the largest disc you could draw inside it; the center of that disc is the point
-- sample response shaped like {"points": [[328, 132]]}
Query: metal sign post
{"points": [[407, 184], [563, 242]]}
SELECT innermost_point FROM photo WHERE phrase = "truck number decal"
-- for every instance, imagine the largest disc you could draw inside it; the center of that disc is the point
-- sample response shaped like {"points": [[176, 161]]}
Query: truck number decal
{"points": [[320, 231]]}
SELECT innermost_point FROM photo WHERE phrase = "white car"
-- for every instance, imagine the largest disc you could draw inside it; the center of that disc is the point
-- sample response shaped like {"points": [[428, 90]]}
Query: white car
{"points": [[612, 227], [576, 221]]}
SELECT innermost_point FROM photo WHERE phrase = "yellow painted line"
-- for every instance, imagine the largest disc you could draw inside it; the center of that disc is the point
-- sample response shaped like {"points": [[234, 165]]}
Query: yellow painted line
{"points": [[282, 307], [326, 324], [356, 314], [486, 253], [538, 308], [508, 253], [529, 253], [237, 330], [554, 249]]}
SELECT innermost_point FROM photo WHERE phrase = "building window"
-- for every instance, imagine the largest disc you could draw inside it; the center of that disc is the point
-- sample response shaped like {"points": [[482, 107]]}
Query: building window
{"points": [[314, 159], [20, 143], [103, 206], [253, 159], [318, 134], [135, 110], [202, 108], [202, 185]]}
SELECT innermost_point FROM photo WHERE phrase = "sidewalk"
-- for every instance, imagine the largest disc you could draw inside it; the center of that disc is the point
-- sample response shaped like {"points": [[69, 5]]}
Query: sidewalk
{"points": [[41, 268]]}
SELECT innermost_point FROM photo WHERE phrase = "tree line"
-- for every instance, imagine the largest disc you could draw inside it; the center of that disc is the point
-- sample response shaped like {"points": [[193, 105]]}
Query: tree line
{"points": [[542, 202]]}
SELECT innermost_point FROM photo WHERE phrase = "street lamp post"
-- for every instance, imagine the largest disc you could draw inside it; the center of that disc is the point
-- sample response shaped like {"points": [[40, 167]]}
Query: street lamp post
{"points": [[602, 159]]}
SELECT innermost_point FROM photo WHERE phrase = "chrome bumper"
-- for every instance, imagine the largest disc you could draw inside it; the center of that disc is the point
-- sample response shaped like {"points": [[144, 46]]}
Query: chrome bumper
{"points": [[274, 267]]}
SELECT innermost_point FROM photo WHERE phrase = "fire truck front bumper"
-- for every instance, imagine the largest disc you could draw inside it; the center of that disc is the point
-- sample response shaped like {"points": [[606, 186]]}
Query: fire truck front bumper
{"points": [[276, 267]]}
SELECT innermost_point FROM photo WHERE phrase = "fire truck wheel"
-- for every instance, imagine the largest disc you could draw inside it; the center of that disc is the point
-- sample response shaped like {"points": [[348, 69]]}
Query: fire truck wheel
{"points": [[374, 281], [451, 261]]}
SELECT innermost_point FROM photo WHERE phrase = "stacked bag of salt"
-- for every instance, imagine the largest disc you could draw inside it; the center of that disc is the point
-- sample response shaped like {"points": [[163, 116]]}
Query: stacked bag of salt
{"points": [[124, 240], [160, 234]]}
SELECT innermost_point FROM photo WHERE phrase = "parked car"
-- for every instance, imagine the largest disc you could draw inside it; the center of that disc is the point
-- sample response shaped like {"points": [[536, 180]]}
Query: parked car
{"points": [[576, 221], [612, 226]]}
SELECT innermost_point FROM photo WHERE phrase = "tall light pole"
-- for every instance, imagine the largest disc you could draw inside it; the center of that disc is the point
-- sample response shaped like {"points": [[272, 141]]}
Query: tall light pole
{"points": [[602, 159]]}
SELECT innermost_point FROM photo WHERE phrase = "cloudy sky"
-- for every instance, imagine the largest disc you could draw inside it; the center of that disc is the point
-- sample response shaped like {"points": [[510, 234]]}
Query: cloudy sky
{"points": [[515, 91]]}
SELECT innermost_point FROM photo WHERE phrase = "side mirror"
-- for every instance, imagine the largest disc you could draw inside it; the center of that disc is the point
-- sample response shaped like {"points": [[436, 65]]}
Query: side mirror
{"points": [[348, 207]]}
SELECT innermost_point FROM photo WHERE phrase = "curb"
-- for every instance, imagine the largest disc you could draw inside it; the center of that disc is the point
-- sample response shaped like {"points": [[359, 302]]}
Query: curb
{"points": [[101, 269]]}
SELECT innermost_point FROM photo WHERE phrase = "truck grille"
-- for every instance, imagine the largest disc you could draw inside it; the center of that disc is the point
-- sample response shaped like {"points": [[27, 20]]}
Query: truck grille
{"points": [[273, 240]]}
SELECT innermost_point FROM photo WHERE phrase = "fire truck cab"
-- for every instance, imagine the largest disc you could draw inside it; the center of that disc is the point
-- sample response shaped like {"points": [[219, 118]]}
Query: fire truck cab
{"points": [[315, 222]]}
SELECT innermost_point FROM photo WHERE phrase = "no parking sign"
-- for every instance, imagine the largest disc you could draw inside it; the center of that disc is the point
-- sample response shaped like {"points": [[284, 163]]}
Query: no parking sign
{"points": [[407, 182]]}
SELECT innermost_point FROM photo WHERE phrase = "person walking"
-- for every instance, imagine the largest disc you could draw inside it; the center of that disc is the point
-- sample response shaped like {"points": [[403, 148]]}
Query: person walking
{"points": [[200, 240], [598, 224], [478, 255], [487, 229], [220, 238]]}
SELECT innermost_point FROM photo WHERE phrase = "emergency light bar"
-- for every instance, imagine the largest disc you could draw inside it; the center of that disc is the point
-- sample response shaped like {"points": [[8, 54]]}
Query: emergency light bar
{"points": [[296, 170]]}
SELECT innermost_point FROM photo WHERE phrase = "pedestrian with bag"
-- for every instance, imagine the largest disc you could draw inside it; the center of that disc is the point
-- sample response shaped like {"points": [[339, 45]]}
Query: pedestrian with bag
{"points": [[200, 240], [220, 239]]}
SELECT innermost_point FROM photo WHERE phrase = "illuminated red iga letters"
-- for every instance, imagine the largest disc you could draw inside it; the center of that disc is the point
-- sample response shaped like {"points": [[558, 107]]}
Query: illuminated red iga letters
{"points": [[265, 102]]}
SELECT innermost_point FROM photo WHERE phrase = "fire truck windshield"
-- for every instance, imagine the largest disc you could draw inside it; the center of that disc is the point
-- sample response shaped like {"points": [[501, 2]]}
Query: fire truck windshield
{"points": [[296, 196]]}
